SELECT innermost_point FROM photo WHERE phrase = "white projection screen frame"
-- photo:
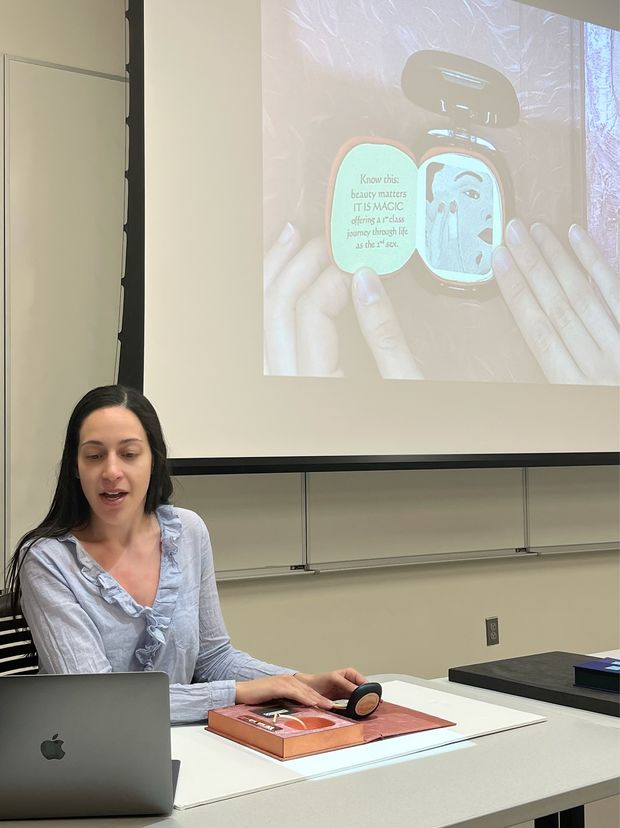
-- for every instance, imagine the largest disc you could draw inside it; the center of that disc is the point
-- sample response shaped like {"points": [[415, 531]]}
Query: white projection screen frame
{"points": [[253, 348]]}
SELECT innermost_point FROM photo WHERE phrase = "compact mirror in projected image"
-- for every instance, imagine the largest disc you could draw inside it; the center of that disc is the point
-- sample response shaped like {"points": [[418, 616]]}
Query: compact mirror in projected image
{"points": [[452, 205], [384, 208]]}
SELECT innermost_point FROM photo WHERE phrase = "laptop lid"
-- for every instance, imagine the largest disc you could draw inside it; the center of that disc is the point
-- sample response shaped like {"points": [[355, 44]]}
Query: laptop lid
{"points": [[85, 745]]}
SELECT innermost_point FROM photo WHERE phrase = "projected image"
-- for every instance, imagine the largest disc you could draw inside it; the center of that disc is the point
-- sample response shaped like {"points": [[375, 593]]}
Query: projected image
{"points": [[602, 111], [437, 206]]}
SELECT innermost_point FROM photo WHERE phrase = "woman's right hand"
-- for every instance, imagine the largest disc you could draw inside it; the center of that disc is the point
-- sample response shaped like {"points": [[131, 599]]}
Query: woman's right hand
{"points": [[283, 686]]}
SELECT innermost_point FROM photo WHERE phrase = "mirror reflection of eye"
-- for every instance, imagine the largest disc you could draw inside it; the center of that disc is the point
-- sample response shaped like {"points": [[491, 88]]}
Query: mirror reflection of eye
{"points": [[471, 193]]}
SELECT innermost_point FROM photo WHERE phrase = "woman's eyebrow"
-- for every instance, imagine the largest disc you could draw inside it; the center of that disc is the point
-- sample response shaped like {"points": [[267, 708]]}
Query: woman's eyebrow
{"points": [[121, 442], [468, 172]]}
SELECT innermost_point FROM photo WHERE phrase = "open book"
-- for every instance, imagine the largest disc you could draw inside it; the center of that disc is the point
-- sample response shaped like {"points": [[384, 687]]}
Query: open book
{"points": [[286, 730]]}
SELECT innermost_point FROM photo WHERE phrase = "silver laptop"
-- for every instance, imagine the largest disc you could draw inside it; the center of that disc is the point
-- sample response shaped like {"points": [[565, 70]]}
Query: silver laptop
{"points": [[85, 745]]}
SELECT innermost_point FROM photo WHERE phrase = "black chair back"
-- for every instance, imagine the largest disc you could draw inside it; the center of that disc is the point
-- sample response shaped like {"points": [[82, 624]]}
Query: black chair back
{"points": [[17, 651]]}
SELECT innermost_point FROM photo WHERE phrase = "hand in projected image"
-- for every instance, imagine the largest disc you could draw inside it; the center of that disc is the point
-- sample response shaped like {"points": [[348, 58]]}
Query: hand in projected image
{"points": [[443, 250], [568, 312], [381, 328], [305, 294]]}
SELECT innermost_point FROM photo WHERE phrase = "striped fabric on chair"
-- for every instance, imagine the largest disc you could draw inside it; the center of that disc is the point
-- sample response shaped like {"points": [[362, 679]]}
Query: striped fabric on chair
{"points": [[17, 652]]}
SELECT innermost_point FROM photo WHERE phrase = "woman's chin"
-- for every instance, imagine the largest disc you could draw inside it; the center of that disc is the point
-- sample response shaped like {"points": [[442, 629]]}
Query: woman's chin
{"points": [[116, 512]]}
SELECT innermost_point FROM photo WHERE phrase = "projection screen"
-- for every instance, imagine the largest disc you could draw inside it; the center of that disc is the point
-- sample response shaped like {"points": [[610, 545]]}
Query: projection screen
{"points": [[381, 227]]}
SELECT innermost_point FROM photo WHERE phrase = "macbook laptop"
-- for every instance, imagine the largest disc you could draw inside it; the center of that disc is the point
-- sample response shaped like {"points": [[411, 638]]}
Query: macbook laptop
{"points": [[85, 745]]}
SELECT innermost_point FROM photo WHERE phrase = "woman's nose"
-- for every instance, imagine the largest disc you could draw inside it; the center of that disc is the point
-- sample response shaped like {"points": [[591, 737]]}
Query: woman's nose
{"points": [[111, 470]]}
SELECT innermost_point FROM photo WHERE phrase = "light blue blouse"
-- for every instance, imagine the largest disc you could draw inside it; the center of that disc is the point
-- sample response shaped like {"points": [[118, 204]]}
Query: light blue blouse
{"points": [[83, 621]]}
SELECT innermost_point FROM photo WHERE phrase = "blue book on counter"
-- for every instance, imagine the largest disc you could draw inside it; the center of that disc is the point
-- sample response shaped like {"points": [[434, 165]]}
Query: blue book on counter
{"points": [[600, 674]]}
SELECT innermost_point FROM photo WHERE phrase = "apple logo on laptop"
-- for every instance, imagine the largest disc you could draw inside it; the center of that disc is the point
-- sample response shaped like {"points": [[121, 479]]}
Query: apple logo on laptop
{"points": [[52, 748]]}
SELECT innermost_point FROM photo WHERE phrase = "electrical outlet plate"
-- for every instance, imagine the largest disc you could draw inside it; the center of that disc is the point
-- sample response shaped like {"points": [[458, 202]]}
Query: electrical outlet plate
{"points": [[492, 629]]}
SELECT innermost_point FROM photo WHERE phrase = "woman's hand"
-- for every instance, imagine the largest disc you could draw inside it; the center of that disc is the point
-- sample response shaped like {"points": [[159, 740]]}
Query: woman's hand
{"points": [[305, 294], [339, 684], [381, 328], [443, 249], [284, 686], [569, 314], [310, 689]]}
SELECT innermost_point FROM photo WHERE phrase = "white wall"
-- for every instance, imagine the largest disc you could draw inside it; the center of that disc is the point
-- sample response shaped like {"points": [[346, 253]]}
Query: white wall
{"points": [[85, 34], [64, 160], [419, 618]]}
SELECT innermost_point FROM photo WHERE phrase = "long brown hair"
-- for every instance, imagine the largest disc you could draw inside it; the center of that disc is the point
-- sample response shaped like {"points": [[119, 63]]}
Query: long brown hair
{"points": [[70, 509]]}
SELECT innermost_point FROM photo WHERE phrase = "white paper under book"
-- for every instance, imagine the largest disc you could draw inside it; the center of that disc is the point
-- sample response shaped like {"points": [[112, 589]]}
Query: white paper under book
{"points": [[234, 770]]}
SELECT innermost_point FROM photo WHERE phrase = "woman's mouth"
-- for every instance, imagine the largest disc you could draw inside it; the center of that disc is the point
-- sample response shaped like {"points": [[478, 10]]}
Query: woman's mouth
{"points": [[113, 497]]}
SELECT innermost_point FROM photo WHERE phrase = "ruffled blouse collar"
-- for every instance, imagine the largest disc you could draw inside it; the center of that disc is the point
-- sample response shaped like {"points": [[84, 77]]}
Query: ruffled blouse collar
{"points": [[158, 617]]}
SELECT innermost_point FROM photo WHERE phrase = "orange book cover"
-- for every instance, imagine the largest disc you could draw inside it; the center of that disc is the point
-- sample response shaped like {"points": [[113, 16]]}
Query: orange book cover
{"points": [[286, 730]]}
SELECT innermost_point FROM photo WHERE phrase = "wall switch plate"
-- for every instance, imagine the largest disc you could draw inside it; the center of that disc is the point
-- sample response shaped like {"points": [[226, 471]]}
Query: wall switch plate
{"points": [[492, 628]]}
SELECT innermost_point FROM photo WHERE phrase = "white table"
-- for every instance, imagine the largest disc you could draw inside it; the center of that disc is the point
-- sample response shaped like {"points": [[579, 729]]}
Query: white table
{"points": [[499, 780], [576, 818]]}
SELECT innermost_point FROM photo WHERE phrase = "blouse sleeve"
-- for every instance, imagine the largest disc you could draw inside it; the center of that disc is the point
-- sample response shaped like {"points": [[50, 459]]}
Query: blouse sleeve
{"points": [[66, 638], [218, 665]]}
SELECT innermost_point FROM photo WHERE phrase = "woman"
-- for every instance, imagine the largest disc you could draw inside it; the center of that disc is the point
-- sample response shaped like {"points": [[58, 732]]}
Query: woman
{"points": [[114, 579]]}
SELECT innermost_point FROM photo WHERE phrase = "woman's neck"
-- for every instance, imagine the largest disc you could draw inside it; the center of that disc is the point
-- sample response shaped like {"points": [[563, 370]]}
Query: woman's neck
{"points": [[122, 535]]}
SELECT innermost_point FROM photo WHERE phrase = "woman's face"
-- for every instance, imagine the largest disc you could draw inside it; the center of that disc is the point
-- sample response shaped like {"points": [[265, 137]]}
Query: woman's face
{"points": [[472, 192], [114, 465]]}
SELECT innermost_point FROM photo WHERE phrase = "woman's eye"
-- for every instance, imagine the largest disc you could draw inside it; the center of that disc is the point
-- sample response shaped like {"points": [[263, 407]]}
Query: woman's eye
{"points": [[93, 456], [471, 193], [130, 455]]}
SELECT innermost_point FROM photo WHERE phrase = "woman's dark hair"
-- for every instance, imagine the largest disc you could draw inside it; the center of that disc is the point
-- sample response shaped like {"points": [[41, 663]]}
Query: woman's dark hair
{"points": [[431, 171], [70, 509]]}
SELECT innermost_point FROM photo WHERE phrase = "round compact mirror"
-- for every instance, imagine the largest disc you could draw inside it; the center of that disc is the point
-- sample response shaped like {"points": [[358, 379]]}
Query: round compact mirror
{"points": [[363, 701]]}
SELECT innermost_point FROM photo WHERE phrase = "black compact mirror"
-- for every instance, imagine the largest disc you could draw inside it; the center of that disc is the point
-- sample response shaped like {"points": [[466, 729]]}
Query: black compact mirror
{"points": [[363, 701]]}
